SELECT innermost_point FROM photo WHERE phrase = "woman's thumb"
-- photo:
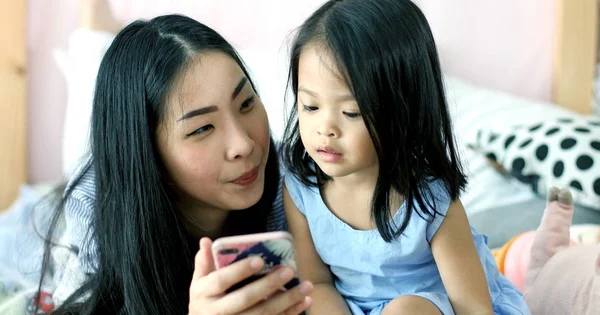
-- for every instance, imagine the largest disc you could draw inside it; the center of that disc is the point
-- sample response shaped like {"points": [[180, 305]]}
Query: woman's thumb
{"points": [[203, 263]]}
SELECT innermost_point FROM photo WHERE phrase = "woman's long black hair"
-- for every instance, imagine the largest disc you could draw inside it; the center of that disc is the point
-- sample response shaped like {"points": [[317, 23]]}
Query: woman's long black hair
{"points": [[386, 53], [144, 260]]}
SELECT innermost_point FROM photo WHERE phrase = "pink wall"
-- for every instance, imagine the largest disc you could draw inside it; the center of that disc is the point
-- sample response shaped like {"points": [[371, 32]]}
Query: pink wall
{"points": [[507, 45], [49, 25], [500, 44]]}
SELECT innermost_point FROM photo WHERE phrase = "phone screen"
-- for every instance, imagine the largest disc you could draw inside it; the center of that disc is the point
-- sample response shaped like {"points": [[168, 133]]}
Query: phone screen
{"points": [[275, 253]]}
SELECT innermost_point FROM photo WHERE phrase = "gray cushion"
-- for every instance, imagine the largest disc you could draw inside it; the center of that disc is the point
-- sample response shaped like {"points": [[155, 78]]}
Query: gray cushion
{"points": [[503, 223]]}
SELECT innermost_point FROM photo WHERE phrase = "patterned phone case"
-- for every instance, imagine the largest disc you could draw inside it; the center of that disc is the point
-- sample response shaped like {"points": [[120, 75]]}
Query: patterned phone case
{"points": [[276, 249]]}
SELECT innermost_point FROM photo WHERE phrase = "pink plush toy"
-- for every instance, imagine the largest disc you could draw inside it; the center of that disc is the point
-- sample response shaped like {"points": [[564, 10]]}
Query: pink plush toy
{"points": [[562, 279], [518, 255]]}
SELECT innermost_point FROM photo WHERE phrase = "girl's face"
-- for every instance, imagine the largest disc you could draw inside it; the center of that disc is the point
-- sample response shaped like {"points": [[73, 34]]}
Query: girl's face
{"points": [[331, 126], [214, 140]]}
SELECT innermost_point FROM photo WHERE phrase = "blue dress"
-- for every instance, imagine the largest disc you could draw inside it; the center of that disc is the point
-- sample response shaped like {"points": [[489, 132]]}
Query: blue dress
{"points": [[369, 273]]}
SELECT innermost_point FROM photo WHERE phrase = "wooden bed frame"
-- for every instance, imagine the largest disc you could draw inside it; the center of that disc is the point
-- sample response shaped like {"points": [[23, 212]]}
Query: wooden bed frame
{"points": [[574, 70], [576, 54], [13, 107]]}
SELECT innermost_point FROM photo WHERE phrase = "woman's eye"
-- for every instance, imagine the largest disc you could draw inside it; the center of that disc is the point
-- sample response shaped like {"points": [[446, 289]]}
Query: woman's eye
{"points": [[352, 115], [247, 104], [201, 130], [309, 108]]}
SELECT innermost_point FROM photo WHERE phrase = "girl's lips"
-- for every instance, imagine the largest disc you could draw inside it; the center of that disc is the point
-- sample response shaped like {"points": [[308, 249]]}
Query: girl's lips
{"points": [[329, 156], [327, 149], [247, 178]]}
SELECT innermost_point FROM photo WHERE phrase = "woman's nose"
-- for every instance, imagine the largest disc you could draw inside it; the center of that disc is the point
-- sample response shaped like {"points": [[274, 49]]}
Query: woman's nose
{"points": [[240, 144]]}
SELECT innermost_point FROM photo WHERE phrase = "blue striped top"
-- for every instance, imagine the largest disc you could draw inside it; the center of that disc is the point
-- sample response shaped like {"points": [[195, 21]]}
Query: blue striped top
{"points": [[80, 206]]}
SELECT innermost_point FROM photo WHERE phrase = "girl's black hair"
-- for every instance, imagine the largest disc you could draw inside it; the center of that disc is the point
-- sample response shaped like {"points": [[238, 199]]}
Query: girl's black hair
{"points": [[145, 258], [387, 56]]}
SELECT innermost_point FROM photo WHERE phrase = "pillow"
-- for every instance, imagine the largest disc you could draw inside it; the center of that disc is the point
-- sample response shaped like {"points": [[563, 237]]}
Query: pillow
{"points": [[563, 152], [268, 69], [472, 108], [79, 64]]}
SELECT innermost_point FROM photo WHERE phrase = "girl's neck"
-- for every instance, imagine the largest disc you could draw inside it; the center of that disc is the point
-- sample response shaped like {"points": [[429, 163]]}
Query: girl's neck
{"points": [[363, 181], [356, 192]]}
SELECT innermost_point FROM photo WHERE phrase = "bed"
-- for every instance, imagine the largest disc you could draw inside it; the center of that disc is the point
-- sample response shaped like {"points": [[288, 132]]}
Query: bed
{"points": [[497, 204]]}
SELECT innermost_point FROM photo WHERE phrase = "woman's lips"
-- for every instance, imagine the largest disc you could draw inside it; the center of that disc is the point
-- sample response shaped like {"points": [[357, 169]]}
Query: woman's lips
{"points": [[247, 178]]}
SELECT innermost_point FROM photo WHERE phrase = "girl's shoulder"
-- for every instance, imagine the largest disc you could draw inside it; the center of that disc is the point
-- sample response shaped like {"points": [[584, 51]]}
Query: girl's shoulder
{"points": [[438, 189], [437, 201]]}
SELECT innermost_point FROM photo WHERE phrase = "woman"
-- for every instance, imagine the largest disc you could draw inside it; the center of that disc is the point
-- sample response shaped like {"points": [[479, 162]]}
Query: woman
{"points": [[180, 152]]}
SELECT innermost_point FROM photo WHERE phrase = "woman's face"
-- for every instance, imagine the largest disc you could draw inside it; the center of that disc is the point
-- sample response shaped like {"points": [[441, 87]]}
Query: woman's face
{"points": [[214, 140]]}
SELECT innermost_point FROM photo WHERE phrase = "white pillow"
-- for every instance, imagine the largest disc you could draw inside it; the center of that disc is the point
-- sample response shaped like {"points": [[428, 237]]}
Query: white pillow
{"points": [[473, 108], [268, 67], [79, 65], [556, 152]]}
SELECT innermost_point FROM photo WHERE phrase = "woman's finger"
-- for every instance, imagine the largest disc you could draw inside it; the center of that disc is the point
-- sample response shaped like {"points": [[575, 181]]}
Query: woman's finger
{"points": [[294, 301], [300, 307], [260, 289], [203, 262], [297, 299], [221, 280]]}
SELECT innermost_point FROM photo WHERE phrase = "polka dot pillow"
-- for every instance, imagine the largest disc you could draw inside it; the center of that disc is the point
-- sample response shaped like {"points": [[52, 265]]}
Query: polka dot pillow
{"points": [[562, 152]]}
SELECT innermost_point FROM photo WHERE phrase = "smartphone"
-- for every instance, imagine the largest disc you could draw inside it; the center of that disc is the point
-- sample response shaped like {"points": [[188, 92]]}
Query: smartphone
{"points": [[275, 248]]}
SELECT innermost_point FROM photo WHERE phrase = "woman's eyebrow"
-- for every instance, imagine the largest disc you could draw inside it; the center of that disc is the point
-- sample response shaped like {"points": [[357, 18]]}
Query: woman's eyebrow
{"points": [[239, 88], [210, 109], [199, 111]]}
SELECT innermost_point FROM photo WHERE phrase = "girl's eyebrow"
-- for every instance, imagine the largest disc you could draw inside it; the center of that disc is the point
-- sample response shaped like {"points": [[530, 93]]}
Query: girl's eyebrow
{"points": [[307, 91], [340, 98]]}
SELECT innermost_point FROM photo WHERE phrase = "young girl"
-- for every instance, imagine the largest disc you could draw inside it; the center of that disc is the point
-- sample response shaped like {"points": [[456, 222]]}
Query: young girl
{"points": [[373, 195]]}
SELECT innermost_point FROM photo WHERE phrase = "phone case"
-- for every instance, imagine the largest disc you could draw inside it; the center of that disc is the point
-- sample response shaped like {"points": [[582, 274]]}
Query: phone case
{"points": [[275, 248]]}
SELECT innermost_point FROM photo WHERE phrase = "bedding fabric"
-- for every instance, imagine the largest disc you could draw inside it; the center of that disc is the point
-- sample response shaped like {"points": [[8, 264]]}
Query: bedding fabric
{"points": [[22, 231], [21, 250]]}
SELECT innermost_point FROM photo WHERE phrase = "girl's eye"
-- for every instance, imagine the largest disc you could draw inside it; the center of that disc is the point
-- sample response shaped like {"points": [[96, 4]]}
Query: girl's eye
{"points": [[352, 115], [247, 104], [200, 131], [309, 108]]}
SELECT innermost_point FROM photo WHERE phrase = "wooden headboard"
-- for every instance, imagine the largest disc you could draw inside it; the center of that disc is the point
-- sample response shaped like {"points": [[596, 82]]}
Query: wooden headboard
{"points": [[576, 54], [13, 106], [574, 69]]}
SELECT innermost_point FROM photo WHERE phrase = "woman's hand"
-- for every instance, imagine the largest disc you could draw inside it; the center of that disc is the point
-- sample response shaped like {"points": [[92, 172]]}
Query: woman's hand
{"points": [[263, 296]]}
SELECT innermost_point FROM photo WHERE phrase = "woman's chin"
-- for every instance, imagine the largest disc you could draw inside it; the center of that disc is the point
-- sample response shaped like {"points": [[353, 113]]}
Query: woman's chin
{"points": [[247, 199]]}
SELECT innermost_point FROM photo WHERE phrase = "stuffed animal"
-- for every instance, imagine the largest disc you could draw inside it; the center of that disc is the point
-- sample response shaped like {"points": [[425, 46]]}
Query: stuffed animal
{"points": [[558, 274], [513, 258]]}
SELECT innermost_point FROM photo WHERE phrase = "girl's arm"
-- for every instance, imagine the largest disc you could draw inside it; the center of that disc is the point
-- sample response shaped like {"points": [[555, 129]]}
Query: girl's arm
{"points": [[459, 264], [326, 299]]}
